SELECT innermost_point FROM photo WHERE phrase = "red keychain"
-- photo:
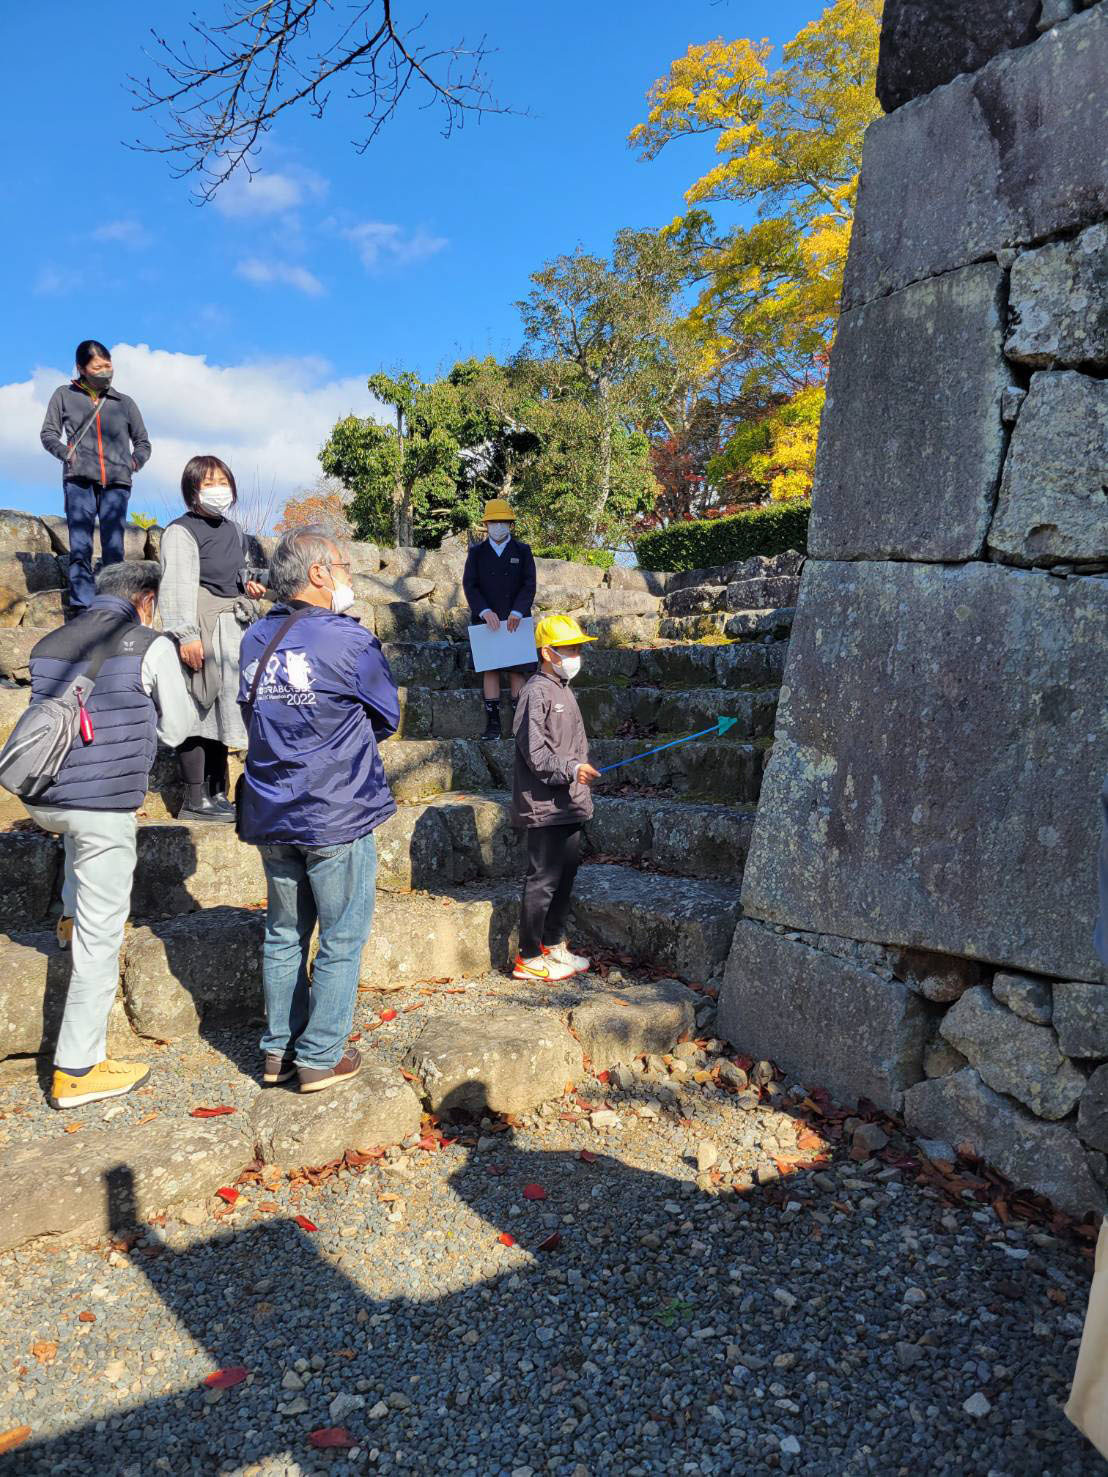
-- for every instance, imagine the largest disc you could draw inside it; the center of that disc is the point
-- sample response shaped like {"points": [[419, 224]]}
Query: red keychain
{"points": [[85, 722]]}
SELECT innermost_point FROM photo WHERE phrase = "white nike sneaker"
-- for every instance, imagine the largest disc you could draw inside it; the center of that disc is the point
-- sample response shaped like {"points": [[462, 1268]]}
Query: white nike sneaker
{"points": [[562, 954], [543, 970]]}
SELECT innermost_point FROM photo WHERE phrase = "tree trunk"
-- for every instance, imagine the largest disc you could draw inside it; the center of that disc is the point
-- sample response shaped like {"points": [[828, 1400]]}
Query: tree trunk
{"points": [[399, 533], [604, 401]]}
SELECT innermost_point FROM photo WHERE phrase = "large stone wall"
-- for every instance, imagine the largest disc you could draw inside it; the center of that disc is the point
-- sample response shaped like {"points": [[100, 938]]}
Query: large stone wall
{"points": [[920, 894]]}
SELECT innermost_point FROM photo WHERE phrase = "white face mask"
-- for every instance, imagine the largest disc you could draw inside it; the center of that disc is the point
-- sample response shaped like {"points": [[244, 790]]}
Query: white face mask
{"points": [[216, 499], [498, 532], [568, 667], [342, 598]]}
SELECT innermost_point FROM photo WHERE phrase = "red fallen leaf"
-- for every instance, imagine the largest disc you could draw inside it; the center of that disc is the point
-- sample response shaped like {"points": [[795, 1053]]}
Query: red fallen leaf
{"points": [[86, 1317], [226, 1379], [587, 1156], [496, 1169], [220, 1112], [806, 1139], [354, 1036], [408, 1076], [331, 1436], [506, 1238], [9, 1440], [227, 1194], [603, 1076], [388, 1015], [552, 1242], [428, 1142], [417, 1006], [305, 1224], [534, 1192]]}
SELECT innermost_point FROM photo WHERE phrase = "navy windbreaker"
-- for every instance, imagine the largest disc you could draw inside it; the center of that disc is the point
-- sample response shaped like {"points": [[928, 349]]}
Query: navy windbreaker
{"points": [[314, 775]]}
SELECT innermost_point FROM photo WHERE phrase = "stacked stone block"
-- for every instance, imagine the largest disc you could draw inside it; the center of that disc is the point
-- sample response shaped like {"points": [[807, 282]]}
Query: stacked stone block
{"points": [[943, 730]]}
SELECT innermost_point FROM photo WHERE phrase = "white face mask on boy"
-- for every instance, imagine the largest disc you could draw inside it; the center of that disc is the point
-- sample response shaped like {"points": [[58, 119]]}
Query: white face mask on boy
{"points": [[568, 666], [498, 532]]}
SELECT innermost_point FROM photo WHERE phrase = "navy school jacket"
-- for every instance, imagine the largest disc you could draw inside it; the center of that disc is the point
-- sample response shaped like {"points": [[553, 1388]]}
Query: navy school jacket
{"points": [[499, 582], [313, 774]]}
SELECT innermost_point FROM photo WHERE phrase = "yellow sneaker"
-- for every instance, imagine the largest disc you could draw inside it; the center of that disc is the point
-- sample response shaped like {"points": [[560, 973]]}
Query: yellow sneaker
{"points": [[64, 933], [107, 1079]]}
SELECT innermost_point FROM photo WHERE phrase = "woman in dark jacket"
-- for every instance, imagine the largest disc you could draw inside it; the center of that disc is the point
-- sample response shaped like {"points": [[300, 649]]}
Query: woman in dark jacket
{"points": [[98, 436], [499, 585], [206, 601]]}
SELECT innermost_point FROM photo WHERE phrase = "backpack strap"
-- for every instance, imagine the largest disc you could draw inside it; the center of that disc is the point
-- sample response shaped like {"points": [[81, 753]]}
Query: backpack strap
{"points": [[282, 631]]}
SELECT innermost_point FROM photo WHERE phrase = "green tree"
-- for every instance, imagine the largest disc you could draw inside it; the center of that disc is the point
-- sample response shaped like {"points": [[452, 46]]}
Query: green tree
{"points": [[605, 329]]}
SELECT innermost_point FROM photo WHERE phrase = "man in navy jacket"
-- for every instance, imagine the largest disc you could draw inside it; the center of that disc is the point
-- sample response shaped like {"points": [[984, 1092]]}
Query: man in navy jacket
{"points": [[499, 585], [314, 791]]}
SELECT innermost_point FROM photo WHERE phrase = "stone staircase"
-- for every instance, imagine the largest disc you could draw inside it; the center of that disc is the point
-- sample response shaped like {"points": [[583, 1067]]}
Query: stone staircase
{"points": [[659, 888]]}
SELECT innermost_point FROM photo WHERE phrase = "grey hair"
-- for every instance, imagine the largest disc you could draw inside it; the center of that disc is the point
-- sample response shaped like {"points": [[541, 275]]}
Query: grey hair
{"points": [[132, 580], [294, 556]]}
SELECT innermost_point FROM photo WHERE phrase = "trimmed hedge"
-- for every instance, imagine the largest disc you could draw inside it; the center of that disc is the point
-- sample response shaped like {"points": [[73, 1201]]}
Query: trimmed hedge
{"points": [[600, 558], [704, 542]]}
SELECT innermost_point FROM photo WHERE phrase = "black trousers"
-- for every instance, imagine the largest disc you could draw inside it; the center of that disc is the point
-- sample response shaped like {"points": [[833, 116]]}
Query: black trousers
{"points": [[553, 856]]}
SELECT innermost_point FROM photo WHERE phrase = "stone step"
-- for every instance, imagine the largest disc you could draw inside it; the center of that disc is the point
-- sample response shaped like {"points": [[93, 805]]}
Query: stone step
{"points": [[205, 967], [774, 624], [607, 710]]}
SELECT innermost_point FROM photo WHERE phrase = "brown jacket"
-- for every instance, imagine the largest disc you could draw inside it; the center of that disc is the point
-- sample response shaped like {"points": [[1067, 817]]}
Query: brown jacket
{"points": [[550, 744]]}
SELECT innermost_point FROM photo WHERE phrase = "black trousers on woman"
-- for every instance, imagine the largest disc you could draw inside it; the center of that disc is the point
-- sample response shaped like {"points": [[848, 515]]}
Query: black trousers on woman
{"points": [[203, 768], [553, 856]]}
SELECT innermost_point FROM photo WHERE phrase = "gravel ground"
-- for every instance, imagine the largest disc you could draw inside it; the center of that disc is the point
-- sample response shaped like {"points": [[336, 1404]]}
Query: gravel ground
{"points": [[849, 1317]]}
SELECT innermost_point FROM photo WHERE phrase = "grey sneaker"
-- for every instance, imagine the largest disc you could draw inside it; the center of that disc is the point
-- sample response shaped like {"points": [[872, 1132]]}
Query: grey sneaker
{"points": [[278, 1068], [315, 1079]]}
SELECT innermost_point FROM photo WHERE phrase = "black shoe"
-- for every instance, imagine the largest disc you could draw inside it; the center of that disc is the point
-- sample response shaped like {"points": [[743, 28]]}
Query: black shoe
{"points": [[208, 810], [221, 798]]}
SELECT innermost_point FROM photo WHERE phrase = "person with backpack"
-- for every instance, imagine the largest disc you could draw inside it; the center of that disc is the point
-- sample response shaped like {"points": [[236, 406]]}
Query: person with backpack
{"points": [[499, 585], [99, 437], [206, 602], [318, 698], [132, 693]]}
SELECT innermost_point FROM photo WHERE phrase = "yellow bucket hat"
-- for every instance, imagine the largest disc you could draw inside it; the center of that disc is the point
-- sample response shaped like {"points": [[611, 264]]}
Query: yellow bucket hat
{"points": [[497, 511], [559, 630]]}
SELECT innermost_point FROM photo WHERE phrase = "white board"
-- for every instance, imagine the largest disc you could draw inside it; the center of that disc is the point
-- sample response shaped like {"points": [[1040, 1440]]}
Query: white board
{"points": [[493, 650]]}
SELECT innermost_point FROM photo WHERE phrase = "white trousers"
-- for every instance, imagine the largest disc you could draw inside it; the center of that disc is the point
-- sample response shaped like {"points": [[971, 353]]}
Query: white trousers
{"points": [[96, 894]]}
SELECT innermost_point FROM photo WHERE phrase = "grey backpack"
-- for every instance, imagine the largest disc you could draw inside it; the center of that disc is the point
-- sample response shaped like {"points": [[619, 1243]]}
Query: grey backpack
{"points": [[37, 746]]}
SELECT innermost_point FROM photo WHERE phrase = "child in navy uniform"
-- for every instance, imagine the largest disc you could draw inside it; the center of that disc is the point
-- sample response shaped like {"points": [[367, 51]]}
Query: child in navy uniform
{"points": [[551, 800], [499, 585]]}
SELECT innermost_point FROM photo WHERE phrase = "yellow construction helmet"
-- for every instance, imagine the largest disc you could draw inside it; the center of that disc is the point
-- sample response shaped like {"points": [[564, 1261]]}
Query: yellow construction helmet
{"points": [[497, 511], [559, 630]]}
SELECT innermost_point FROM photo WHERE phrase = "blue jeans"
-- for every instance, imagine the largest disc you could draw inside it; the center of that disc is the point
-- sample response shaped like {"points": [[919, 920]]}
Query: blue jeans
{"points": [[334, 886], [85, 502]]}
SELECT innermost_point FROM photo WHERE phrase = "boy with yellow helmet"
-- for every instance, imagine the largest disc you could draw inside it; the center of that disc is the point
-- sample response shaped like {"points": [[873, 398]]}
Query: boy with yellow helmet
{"points": [[551, 799]]}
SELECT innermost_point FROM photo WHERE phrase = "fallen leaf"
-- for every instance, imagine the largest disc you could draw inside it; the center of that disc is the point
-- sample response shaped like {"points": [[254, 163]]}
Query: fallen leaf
{"points": [[506, 1239], [534, 1192], [45, 1350], [220, 1112], [305, 1224], [603, 1076], [335, 1437], [387, 1197], [408, 1076], [226, 1379], [9, 1440], [86, 1317], [618, 1000], [428, 1142], [587, 1156], [552, 1242], [388, 1015], [269, 1206], [354, 1036], [496, 1169], [419, 1004], [227, 1194], [148, 1118]]}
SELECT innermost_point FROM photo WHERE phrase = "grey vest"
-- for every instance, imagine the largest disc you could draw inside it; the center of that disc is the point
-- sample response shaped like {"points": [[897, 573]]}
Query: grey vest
{"points": [[112, 772]]}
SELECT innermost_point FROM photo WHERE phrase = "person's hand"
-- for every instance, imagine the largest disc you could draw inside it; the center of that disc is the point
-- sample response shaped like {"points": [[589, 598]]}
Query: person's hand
{"points": [[69, 450], [586, 774], [254, 589], [192, 654], [513, 621], [492, 620]]}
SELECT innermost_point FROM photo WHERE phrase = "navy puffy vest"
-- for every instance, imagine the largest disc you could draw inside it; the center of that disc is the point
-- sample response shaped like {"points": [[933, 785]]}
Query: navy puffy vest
{"points": [[112, 772]]}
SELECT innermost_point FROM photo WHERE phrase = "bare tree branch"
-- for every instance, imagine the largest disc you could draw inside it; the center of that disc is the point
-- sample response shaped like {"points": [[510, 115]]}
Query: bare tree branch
{"points": [[218, 91]]}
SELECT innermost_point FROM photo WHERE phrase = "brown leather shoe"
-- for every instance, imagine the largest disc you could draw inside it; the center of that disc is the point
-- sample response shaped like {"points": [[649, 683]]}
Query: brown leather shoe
{"points": [[278, 1068], [315, 1079]]}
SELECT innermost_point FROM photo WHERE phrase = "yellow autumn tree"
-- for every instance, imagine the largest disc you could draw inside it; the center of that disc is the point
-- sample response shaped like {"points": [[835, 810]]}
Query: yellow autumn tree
{"points": [[788, 141]]}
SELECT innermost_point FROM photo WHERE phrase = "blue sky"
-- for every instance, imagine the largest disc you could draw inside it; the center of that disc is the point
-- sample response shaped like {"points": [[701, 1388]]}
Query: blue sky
{"points": [[246, 326]]}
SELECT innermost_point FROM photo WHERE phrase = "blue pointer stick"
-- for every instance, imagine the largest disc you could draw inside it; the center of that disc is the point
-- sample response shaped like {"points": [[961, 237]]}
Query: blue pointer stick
{"points": [[719, 727]]}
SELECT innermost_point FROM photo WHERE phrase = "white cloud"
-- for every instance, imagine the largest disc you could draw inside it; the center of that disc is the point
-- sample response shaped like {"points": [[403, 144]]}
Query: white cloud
{"points": [[267, 420], [269, 274], [126, 232], [380, 243], [269, 192]]}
